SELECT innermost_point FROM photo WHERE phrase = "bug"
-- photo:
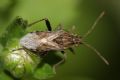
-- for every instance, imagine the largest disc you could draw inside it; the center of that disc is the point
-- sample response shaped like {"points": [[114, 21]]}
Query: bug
{"points": [[41, 42]]}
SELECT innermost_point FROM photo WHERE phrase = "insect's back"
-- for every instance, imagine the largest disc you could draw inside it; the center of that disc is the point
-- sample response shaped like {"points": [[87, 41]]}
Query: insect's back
{"points": [[66, 40], [47, 40]]}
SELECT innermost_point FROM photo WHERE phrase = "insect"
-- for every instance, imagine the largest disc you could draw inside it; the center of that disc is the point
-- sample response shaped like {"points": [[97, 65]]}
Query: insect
{"points": [[41, 42]]}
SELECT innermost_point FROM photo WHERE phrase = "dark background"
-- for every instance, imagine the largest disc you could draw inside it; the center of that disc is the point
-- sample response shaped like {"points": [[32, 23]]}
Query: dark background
{"points": [[85, 64]]}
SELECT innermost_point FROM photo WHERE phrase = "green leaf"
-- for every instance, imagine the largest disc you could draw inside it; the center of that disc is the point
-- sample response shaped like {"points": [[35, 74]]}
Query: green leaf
{"points": [[1, 48], [44, 72], [19, 63], [3, 76], [15, 30]]}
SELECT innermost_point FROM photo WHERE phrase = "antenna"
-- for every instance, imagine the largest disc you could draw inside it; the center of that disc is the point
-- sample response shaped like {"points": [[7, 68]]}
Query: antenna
{"points": [[94, 24], [97, 52]]}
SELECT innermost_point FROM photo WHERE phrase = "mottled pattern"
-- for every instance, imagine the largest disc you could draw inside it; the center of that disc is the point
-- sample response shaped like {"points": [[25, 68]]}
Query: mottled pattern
{"points": [[47, 41], [67, 40]]}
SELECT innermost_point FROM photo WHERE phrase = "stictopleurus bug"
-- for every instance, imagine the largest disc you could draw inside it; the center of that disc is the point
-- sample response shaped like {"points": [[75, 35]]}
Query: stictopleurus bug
{"points": [[41, 42]]}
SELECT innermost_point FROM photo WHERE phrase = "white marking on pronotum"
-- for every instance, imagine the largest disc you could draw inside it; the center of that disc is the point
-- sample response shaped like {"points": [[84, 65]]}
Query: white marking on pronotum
{"points": [[30, 41]]}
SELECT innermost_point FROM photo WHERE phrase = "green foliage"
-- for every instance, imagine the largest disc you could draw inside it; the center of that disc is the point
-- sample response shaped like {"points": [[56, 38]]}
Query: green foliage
{"points": [[3, 76], [15, 30], [45, 72], [21, 63]]}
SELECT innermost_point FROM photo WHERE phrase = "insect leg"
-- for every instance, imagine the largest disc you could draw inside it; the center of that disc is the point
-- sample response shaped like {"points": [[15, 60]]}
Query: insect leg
{"points": [[48, 24], [72, 30], [63, 52], [43, 54], [46, 21], [18, 49], [59, 27], [72, 50], [63, 56]]}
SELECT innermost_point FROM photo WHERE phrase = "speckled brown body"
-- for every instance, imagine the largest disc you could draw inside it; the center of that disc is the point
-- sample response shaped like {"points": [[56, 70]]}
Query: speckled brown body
{"points": [[67, 40], [49, 41], [59, 40]]}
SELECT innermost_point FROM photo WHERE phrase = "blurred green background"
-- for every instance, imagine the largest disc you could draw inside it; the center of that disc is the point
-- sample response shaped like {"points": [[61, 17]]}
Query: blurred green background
{"points": [[85, 64]]}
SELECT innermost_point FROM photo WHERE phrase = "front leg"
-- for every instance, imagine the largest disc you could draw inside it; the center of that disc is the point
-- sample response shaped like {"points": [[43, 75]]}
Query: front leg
{"points": [[46, 21], [17, 49], [48, 24]]}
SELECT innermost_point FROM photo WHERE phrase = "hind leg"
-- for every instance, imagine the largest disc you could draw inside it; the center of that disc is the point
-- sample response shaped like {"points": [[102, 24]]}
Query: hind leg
{"points": [[63, 56]]}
